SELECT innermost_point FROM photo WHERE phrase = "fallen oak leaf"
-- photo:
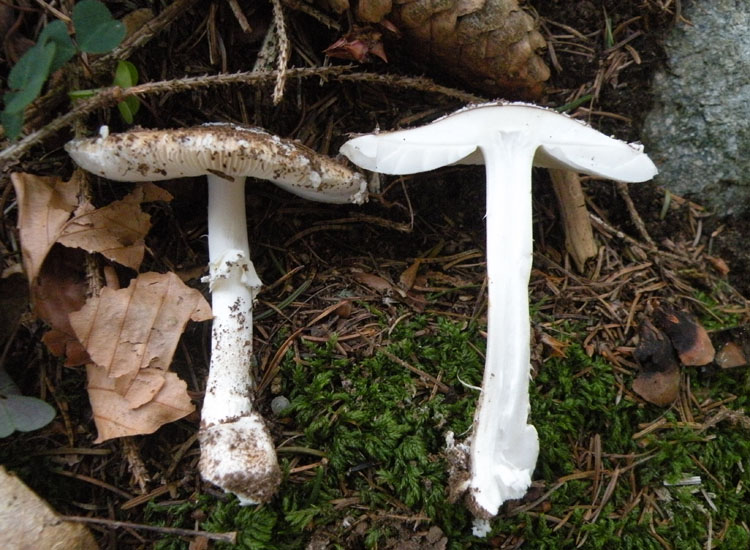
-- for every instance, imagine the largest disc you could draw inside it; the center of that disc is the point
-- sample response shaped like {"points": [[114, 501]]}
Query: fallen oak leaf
{"points": [[115, 416], [129, 329], [59, 289], [117, 230], [44, 207]]}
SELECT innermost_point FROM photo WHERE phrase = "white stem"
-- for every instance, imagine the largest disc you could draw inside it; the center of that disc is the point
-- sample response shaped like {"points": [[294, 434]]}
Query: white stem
{"points": [[504, 447], [237, 452]]}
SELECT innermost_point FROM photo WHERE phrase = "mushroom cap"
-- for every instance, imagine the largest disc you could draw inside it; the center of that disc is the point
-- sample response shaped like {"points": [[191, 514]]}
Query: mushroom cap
{"points": [[461, 137], [224, 150]]}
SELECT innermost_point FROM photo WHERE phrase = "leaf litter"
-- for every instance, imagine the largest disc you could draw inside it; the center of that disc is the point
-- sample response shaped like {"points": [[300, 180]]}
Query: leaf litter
{"points": [[125, 337]]}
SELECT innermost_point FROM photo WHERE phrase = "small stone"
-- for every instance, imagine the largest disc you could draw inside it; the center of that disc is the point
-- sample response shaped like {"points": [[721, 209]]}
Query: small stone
{"points": [[279, 404]]}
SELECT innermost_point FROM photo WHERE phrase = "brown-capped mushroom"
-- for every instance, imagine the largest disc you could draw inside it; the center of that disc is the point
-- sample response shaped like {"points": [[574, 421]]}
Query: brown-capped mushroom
{"points": [[237, 452]]}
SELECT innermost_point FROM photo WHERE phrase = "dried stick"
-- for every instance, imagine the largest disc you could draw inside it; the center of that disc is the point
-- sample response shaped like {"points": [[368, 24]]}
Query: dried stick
{"points": [[284, 50], [579, 236], [230, 537], [622, 188], [109, 96]]}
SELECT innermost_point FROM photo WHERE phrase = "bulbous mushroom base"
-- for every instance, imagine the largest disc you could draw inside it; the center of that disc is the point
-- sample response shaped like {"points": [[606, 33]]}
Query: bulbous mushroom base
{"points": [[238, 455]]}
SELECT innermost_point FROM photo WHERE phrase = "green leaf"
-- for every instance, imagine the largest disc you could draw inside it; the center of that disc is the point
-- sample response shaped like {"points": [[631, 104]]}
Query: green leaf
{"points": [[18, 412], [82, 94], [12, 122], [96, 30], [57, 32], [126, 74], [27, 77], [128, 109]]}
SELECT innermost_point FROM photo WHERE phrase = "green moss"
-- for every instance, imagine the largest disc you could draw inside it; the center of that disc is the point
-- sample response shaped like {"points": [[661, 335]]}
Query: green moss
{"points": [[381, 430], [712, 316]]}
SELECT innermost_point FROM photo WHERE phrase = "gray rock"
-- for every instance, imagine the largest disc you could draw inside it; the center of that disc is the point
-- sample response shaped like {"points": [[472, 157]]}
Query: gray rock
{"points": [[698, 132]]}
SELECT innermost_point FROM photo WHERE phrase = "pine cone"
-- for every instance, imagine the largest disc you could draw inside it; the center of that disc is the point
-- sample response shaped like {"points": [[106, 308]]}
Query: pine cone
{"points": [[489, 44]]}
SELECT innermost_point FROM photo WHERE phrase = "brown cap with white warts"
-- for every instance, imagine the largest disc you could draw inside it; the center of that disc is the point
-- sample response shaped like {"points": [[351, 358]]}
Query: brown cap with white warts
{"points": [[224, 150]]}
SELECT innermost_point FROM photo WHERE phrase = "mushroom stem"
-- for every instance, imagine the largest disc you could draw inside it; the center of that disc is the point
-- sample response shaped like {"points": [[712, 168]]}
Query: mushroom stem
{"points": [[504, 446], [237, 452]]}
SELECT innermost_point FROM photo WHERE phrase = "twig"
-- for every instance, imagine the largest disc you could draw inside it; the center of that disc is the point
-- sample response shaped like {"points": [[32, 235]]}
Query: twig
{"points": [[282, 60], [416, 83], [304, 7], [622, 188], [93, 481], [579, 237], [441, 387], [110, 96], [230, 537], [102, 64]]}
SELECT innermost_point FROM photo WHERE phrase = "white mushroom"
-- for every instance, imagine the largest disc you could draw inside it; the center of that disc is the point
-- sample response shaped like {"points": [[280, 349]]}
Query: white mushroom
{"points": [[509, 139], [237, 452]]}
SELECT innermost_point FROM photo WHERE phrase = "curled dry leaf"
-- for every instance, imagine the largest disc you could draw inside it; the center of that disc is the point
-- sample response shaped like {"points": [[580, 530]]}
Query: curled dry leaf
{"points": [[115, 415], [733, 347], [408, 277], [59, 289], [719, 264], [688, 336], [557, 348], [731, 355], [45, 207], [117, 230], [358, 45], [372, 281], [131, 335], [658, 381]]}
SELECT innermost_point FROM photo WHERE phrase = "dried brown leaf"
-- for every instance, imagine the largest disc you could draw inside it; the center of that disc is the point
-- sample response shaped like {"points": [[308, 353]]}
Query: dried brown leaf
{"points": [[60, 289], [116, 416], [719, 264], [409, 275], [731, 355], [137, 327], [557, 347], [26, 521], [360, 44], [117, 230], [375, 282], [44, 207]]}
